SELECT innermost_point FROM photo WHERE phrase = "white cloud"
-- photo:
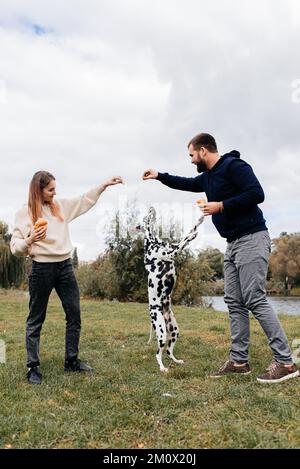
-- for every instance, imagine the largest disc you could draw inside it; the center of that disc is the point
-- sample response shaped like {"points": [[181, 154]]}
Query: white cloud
{"points": [[94, 89]]}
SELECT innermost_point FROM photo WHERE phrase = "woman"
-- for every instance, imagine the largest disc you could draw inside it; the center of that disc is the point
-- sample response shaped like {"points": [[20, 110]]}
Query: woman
{"points": [[50, 249]]}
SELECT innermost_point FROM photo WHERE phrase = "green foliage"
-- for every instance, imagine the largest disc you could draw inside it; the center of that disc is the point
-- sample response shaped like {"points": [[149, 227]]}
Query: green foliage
{"points": [[118, 274], [285, 260], [75, 260], [12, 268], [127, 259], [193, 275], [214, 259]]}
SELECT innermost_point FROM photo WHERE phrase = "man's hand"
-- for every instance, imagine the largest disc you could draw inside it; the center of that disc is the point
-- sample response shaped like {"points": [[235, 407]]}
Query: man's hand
{"points": [[114, 180], [211, 208], [150, 174]]}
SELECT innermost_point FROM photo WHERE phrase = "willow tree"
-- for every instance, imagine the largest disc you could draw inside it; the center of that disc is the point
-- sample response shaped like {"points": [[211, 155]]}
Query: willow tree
{"points": [[12, 268]]}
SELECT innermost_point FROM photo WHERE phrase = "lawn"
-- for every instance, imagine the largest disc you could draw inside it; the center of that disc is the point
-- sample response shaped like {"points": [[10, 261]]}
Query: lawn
{"points": [[127, 402]]}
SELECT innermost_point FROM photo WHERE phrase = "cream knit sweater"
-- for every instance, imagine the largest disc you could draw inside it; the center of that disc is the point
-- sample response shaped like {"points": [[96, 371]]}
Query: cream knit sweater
{"points": [[57, 245]]}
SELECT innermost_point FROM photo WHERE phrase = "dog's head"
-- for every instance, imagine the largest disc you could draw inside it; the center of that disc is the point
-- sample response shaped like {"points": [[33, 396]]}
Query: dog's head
{"points": [[148, 220]]}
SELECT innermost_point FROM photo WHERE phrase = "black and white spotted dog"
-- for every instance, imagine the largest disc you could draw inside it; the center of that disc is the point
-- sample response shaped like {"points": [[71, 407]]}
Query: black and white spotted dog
{"points": [[159, 258]]}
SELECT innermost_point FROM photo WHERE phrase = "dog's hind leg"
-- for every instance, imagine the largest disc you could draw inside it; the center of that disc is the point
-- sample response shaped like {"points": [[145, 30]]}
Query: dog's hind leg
{"points": [[150, 334], [173, 331], [161, 335]]}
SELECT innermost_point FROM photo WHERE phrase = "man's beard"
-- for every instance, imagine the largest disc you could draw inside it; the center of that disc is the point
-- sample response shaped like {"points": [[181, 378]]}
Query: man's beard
{"points": [[201, 167]]}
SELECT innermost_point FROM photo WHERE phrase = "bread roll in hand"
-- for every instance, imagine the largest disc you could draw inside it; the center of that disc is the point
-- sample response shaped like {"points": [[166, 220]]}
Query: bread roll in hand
{"points": [[41, 222]]}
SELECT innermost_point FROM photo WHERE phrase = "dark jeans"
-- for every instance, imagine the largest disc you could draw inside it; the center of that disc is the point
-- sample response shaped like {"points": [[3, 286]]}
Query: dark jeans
{"points": [[43, 278]]}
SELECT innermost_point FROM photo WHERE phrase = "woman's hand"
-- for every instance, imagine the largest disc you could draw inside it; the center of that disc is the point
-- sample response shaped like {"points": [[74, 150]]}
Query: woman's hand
{"points": [[150, 174], [37, 235], [114, 180]]}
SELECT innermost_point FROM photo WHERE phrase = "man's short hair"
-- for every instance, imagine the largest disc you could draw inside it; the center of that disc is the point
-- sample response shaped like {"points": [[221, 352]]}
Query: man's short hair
{"points": [[204, 140]]}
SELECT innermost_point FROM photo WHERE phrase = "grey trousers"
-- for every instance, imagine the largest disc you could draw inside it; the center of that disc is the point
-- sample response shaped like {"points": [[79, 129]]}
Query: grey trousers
{"points": [[245, 273]]}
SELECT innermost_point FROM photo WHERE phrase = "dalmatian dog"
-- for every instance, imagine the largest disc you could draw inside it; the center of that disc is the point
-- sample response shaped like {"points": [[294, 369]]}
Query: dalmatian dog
{"points": [[159, 259]]}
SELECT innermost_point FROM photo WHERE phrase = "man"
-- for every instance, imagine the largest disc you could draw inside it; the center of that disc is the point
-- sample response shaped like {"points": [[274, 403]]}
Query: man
{"points": [[233, 193]]}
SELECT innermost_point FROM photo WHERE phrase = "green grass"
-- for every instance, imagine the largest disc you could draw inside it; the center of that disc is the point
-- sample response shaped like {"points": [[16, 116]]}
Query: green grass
{"points": [[122, 405]]}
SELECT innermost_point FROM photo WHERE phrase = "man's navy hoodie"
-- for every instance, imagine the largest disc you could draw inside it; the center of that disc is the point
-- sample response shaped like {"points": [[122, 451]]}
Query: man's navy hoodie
{"points": [[233, 182]]}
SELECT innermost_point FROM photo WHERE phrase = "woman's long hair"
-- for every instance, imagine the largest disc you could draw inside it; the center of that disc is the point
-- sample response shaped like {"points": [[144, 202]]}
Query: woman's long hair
{"points": [[39, 181]]}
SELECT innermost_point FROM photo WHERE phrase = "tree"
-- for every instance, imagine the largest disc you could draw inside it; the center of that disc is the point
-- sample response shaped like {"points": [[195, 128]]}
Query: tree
{"points": [[214, 259], [193, 277], [75, 261], [285, 260], [12, 268]]}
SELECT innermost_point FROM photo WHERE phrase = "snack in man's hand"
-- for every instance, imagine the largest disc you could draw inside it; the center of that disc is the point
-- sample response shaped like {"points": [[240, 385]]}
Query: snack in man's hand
{"points": [[39, 223], [201, 201]]}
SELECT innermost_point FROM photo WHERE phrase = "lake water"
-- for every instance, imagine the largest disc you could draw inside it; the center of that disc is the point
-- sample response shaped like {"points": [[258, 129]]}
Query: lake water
{"points": [[280, 304]]}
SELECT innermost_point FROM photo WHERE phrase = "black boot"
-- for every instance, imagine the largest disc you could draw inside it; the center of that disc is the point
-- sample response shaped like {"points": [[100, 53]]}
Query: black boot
{"points": [[34, 376], [74, 364]]}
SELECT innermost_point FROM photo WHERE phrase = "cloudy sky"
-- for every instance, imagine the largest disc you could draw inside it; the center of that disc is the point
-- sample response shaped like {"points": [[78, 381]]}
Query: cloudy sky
{"points": [[90, 89]]}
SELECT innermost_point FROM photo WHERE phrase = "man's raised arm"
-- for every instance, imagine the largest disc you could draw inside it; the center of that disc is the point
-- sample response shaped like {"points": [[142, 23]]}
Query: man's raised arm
{"points": [[176, 182]]}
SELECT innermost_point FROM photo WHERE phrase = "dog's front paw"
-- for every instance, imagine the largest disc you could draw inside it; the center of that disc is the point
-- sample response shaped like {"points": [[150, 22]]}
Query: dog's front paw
{"points": [[152, 214], [200, 219], [192, 236], [164, 369]]}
